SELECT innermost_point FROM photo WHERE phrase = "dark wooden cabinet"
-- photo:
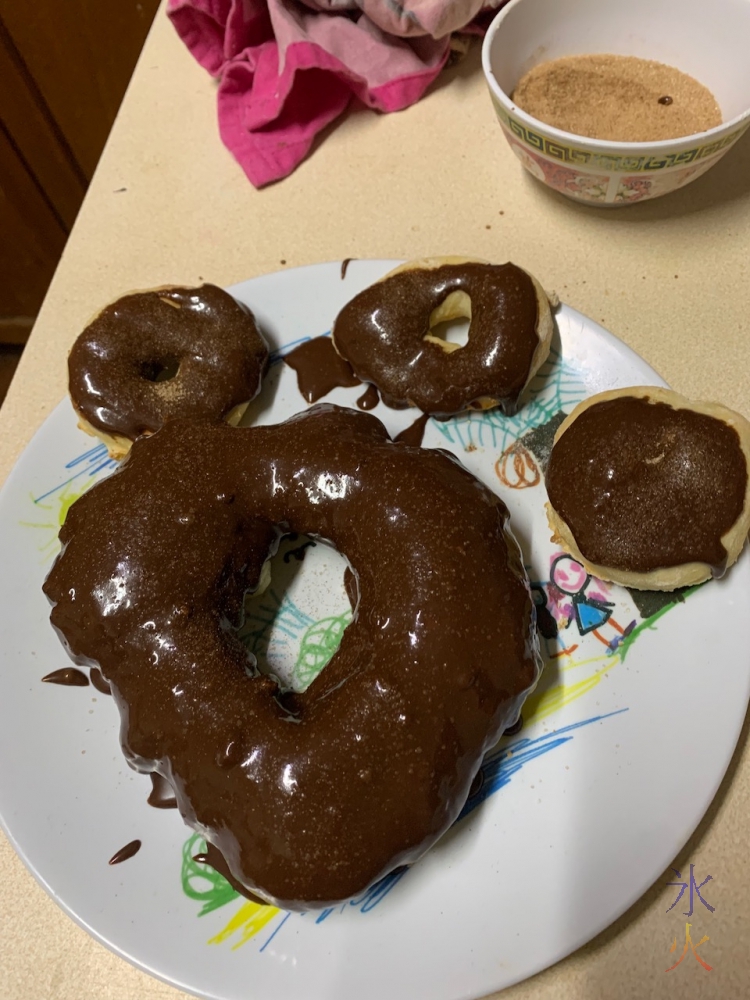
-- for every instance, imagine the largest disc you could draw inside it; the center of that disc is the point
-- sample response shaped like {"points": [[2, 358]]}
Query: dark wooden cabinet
{"points": [[64, 67]]}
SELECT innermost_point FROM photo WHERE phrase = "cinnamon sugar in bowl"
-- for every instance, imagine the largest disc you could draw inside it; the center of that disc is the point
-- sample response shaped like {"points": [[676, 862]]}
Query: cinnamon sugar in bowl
{"points": [[582, 120]]}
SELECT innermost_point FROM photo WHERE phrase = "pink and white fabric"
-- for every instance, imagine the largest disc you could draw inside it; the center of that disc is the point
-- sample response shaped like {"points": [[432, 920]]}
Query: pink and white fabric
{"points": [[287, 68]]}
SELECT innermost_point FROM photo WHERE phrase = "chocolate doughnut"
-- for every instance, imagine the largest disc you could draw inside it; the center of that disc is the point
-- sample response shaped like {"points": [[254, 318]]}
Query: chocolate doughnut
{"points": [[156, 355], [309, 797], [650, 490], [385, 333]]}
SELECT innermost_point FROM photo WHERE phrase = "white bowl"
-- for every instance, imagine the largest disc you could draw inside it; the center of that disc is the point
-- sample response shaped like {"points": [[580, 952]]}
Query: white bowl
{"points": [[707, 40]]}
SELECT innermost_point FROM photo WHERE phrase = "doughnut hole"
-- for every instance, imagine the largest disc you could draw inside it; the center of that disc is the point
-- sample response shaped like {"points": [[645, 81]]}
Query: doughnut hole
{"points": [[160, 369], [449, 323], [296, 617]]}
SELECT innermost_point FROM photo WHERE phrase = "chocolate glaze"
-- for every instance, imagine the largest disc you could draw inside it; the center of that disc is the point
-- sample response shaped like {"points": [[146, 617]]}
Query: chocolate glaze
{"points": [[515, 728], [162, 794], [345, 265], [214, 340], [216, 860], [319, 368], [351, 587], [381, 333], [97, 679], [125, 852], [310, 797], [414, 433], [68, 677], [643, 485], [298, 553], [370, 399]]}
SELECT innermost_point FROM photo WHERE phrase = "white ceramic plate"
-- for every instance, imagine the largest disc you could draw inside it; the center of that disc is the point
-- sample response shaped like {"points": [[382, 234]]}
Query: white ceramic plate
{"points": [[577, 816]]}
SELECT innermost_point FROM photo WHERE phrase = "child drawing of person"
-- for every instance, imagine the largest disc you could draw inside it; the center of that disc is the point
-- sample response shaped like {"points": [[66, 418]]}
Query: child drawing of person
{"points": [[573, 595]]}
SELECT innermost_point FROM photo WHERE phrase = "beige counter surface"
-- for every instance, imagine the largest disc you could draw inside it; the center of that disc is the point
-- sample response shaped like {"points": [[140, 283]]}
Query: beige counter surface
{"points": [[670, 277]]}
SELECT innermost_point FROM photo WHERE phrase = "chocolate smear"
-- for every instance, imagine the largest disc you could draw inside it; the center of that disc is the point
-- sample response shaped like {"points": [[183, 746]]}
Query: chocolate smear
{"points": [[319, 368], [68, 677], [415, 432], [370, 399], [125, 852]]}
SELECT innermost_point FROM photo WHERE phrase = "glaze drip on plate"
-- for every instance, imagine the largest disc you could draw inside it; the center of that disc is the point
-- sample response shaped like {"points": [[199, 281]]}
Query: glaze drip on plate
{"points": [[319, 368]]}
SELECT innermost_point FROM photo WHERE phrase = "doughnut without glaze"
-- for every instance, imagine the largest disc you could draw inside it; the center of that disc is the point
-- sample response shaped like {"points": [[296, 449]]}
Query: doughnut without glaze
{"points": [[202, 337], [650, 490], [385, 334], [309, 797]]}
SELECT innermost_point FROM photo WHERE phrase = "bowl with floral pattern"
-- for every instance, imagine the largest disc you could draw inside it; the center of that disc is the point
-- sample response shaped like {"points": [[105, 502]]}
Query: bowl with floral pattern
{"points": [[711, 47]]}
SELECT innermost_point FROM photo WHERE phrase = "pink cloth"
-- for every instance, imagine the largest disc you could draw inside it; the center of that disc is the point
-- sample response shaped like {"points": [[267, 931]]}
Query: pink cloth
{"points": [[287, 68]]}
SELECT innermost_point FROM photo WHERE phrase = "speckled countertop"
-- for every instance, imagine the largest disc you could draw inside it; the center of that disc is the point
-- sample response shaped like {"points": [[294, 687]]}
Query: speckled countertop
{"points": [[670, 277]]}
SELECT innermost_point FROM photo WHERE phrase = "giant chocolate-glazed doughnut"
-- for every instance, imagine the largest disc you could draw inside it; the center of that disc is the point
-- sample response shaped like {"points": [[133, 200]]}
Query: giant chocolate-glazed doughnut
{"points": [[170, 352], [386, 333], [310, 797]]}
